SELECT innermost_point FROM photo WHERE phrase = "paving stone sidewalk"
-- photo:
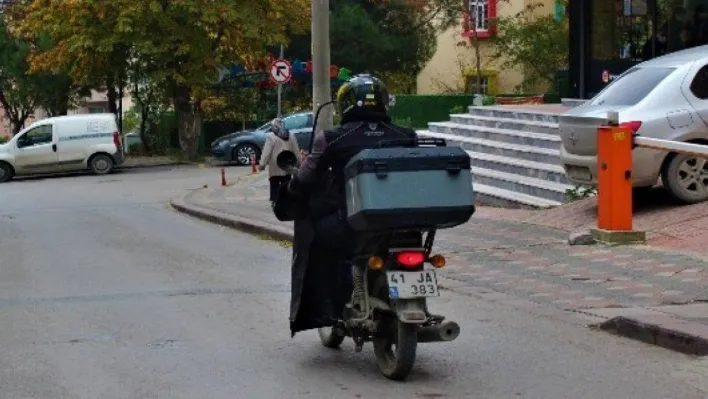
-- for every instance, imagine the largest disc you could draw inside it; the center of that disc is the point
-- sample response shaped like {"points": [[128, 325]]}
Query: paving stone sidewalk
{"points": [[534, 262]]}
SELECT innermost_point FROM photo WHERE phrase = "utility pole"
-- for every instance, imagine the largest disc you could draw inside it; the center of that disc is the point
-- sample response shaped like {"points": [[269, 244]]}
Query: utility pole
{"points": [[321, 87], [280, 89]]}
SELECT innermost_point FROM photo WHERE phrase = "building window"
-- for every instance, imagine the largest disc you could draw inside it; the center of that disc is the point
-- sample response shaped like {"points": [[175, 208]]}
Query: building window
{"points": [[479, 18], [488, 84], [471, 85], [96, 110]]}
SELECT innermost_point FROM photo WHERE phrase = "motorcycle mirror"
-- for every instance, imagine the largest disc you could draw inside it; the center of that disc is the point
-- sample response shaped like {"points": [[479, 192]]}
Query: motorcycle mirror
{"points": [[314, 123], [287, 160]]}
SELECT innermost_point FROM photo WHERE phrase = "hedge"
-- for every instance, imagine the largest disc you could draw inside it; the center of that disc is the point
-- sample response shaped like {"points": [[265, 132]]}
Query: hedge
{"points": [[418, 110]]}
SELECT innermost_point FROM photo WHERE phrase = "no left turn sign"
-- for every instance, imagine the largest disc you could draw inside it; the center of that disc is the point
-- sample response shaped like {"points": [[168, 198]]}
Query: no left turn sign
{"points": [[280, 71]]}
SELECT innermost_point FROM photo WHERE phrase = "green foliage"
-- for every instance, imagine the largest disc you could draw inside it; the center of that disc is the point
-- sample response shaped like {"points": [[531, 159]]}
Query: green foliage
{"points": [[458, 109], [406, 122], [537, 45], [131, 120], [3, 139], [579, 192], [136, 149], [18, 88], [489, 100], [177, 44], [382, 39], [422, 109]]}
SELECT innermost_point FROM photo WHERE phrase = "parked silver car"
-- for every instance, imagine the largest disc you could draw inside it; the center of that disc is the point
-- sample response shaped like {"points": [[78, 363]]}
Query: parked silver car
{"points": [[665, 98]]}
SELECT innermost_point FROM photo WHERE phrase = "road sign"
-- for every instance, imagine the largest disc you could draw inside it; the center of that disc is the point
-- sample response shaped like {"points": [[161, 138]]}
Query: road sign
{"points": [[280, 71]]}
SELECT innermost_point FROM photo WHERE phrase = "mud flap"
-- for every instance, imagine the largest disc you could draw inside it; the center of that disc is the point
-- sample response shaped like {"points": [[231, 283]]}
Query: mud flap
{"points": [[411, 311]]}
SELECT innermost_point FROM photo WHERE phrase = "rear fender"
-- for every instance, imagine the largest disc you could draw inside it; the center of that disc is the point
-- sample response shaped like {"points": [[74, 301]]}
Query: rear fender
{"points": [[412, 311]]}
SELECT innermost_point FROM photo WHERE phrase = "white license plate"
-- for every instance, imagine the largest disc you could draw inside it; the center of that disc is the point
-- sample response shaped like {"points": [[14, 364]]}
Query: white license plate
{"points": [[419, 284]]}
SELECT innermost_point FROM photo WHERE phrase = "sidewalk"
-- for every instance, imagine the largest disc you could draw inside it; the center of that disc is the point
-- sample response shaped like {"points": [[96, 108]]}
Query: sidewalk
{"points": [[632, 291]]}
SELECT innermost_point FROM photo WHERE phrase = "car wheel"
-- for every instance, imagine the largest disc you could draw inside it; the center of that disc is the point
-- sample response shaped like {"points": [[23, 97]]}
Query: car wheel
{"points": [[686, 178], [6, 173], [101, 164], [244, 152]]}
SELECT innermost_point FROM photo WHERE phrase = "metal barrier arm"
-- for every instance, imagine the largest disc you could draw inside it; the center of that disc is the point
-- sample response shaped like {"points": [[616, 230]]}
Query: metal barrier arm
{"points": [[671, 146]]}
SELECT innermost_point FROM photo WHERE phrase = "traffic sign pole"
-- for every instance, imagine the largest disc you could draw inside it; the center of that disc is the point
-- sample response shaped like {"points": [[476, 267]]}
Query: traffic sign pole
{"points": [[280, 72]]}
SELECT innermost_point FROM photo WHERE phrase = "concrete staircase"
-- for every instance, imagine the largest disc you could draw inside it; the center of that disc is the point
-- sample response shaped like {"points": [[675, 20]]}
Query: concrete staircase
{"points": [[514, 151]]}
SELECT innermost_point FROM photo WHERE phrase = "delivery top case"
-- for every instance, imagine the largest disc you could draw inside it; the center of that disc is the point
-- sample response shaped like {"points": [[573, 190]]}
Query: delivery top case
{"points": [[409, 188]]}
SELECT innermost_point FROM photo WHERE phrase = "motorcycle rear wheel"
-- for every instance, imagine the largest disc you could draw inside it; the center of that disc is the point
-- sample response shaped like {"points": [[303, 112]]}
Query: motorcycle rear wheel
{"points": [[331, 337], [395, 350]]}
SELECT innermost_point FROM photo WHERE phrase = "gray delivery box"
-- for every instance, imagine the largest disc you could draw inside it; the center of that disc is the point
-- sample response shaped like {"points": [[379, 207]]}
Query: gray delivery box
{"points": [[409, 188]]}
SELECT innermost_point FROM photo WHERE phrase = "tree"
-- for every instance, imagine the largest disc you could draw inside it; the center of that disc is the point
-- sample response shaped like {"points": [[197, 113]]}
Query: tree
{"points": [[440, 15], [183, 39], [17, 95], [384, 39], [536, 44]]}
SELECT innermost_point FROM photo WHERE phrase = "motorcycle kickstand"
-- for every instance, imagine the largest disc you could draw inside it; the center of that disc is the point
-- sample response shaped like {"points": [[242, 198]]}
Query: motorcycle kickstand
{"points": [[358, 343]]}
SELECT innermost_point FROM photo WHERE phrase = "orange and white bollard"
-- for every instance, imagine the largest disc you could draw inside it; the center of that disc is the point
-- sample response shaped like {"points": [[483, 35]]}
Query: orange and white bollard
{"points": [[614, 184], [253, 165], [614, 178], [223, 177]]}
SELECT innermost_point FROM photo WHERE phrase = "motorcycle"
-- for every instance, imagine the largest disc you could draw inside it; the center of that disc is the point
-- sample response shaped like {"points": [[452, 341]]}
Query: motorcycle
{"points": [[393, 275]]}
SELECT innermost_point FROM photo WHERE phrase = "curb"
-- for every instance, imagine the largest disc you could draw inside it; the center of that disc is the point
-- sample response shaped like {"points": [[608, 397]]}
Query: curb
{"points": [[235, 222], [689, 342], [157, 165]]}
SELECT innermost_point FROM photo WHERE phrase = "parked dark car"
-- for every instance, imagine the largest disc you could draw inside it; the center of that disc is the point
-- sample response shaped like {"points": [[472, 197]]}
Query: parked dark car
{"points": [[239, 147]]}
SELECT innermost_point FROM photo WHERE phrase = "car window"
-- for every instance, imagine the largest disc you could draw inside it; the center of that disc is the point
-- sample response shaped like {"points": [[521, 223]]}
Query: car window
{"points": [[631, 87], [699, 85], [296, 121], [37, 136]]}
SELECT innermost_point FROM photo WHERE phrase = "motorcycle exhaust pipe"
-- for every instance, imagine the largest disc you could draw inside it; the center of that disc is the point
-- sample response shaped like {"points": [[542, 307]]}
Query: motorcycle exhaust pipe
{"points": [[443, 332]]}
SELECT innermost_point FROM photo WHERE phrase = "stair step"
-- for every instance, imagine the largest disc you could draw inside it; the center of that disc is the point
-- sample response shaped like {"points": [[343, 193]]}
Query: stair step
{"points": [[515, 113], [542, 171], [490, 195], [506, 123], [537, 140], [505, 149], [521, 184]]}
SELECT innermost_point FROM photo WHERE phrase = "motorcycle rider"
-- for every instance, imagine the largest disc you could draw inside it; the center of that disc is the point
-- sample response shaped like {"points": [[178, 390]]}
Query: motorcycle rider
{"points": [[321, 258]]}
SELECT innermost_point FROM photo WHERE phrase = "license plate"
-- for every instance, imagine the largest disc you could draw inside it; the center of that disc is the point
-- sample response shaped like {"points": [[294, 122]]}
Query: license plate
{"points": [[405, 285]]}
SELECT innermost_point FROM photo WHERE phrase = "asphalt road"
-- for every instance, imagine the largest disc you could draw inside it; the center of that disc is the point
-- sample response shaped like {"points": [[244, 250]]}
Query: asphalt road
{"points": [[105, 293]]}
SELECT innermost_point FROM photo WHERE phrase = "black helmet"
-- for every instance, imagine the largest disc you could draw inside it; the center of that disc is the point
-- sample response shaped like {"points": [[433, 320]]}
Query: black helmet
{"points": [[362, 94]]}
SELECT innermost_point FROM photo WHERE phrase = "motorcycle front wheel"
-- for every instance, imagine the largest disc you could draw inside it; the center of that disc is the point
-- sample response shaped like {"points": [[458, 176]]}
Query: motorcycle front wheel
{"points": [[395, 347]]}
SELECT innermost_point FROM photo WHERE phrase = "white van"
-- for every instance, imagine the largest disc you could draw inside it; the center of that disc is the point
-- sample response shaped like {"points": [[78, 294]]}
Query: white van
{"points": [[62, 144]]}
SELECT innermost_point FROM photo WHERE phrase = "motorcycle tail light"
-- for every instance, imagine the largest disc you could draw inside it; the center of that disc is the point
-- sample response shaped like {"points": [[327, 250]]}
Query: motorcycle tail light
{"points": [[410, 259]]}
